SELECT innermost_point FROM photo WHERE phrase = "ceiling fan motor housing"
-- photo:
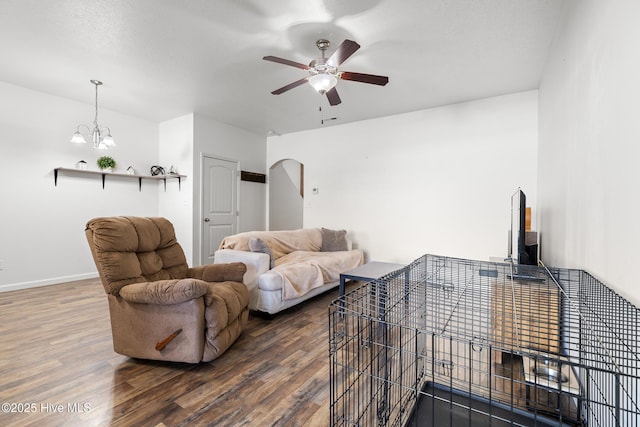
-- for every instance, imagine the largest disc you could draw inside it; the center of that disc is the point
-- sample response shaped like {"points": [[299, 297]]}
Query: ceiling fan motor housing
{"points": [[319, 65]]}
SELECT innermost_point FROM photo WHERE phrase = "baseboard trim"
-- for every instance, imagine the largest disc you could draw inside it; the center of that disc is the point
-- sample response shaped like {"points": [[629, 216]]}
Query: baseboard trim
{"points": [[46, 282]]}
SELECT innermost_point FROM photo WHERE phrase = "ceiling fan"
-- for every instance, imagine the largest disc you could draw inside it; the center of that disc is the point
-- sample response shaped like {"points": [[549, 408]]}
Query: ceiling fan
{"points": [[324, 73]]}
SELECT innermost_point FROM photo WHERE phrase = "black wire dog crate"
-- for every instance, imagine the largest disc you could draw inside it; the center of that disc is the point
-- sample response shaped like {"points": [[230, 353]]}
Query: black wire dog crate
{"points": [[455, 342]]}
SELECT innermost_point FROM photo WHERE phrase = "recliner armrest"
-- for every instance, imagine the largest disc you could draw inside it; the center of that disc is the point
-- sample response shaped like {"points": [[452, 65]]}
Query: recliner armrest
{"points": [[227, 272], [164, 292]]}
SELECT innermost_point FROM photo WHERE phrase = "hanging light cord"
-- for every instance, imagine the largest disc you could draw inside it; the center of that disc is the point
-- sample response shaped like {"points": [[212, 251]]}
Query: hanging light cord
{"points": [[95, 121]]}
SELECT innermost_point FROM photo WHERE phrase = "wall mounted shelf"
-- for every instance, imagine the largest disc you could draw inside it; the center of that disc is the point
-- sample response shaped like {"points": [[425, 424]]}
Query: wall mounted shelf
{"points": [[73, 171]]}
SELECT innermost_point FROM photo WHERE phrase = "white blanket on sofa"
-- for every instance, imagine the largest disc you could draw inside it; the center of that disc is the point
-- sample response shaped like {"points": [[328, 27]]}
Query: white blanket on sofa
{"points": [[279, 242], [302, 271]]}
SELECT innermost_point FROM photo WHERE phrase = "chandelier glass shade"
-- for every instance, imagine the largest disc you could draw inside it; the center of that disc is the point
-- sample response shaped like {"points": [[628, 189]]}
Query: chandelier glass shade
{"points": [[100, 136]]}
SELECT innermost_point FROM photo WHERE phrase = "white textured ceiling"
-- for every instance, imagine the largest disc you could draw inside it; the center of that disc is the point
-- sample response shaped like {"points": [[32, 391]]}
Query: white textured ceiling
{"points": [[160, 59]]}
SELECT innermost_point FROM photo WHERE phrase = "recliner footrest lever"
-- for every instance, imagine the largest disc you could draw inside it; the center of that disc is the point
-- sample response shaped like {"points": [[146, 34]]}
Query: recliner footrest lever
{"points": [[162, 344]]}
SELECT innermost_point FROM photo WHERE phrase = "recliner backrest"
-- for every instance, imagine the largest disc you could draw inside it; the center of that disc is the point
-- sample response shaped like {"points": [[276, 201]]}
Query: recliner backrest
{"points": [[134, 249]]}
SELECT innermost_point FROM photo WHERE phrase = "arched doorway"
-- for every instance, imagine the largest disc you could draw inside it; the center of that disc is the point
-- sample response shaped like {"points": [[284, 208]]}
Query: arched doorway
{"points": [[286, 195]]}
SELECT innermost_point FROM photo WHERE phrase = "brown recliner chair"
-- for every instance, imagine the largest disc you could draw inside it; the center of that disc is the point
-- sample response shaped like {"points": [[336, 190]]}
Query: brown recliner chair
{"points": [[159, 307]]}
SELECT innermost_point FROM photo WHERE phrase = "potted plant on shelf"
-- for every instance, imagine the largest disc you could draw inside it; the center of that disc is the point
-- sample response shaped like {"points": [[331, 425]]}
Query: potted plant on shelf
{"points": [[106, 163]]}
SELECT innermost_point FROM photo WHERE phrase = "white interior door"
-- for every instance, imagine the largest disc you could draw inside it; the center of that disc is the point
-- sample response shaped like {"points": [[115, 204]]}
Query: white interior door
{"points": [[219, 205]]}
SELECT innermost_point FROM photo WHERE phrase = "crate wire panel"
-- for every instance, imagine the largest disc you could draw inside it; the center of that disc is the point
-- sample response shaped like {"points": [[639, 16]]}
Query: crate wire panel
{"points": [[376, 351], [465, 337], [600, 330]]}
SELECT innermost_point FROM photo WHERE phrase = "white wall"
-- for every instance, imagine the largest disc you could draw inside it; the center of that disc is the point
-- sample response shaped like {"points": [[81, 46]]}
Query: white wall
{"points": [[42, 237], [433, 181], [285, 201], [176, 203], [589, 144], [42, 225], [217, 139]]}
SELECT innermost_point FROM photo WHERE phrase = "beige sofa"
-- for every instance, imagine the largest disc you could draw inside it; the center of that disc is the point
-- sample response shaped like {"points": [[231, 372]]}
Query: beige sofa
{"points": [[287, 267], [160, 308]]}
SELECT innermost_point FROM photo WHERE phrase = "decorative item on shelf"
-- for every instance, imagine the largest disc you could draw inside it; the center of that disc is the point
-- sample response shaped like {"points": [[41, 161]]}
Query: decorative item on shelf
{"points": [[157, 170], [173, 170], [131, 170], [106, 163], [98, 137], [82, 165]]}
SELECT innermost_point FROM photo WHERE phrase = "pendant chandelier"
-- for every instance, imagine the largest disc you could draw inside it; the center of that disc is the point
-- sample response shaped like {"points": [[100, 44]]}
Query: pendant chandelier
{"points": [[101, 137]]}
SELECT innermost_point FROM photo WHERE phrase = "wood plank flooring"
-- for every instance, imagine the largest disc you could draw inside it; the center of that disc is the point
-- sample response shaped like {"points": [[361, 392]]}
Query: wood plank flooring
{"points": [[58, 368]]}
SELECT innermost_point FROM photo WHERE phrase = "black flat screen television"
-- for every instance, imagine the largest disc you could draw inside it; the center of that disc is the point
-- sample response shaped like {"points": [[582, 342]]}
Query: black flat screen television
{"points": [[517, 249]]}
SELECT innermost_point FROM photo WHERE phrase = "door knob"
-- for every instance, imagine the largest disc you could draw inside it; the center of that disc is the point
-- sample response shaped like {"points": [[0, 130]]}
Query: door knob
{"points": [[206, 220]]}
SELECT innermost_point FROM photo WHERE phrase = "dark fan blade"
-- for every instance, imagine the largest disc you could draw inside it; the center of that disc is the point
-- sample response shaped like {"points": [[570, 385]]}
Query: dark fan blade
{"points": [[344, 51], [286, 62], [290, 86], [333, 97], [364, 78]]}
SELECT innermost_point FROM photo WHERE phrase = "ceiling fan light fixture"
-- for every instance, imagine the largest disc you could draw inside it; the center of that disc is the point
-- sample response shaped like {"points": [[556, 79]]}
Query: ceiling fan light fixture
{"points": [[323, 82]]}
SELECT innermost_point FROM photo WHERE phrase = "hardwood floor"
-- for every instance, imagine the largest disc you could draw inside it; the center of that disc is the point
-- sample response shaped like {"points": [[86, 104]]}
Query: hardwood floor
{"points": [[58, 368]]}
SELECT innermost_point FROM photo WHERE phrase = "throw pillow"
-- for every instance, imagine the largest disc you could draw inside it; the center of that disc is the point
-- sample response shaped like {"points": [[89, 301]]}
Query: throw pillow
{"points": [[258, 245], [334, 240]]}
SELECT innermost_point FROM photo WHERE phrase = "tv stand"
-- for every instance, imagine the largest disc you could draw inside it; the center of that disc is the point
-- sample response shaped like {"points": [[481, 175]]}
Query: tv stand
{"points": [[531, 247]]}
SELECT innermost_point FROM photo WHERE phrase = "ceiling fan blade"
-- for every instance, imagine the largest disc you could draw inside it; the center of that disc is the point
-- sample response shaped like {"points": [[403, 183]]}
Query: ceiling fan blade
{"points": [[364, 78], [333, 97], [344, 51], [286, 62], [290, 86]]}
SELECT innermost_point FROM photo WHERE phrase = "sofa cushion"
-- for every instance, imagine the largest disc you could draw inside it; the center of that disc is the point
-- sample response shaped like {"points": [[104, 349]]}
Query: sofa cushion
{"points": [[333, 240], [258, 245]]}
